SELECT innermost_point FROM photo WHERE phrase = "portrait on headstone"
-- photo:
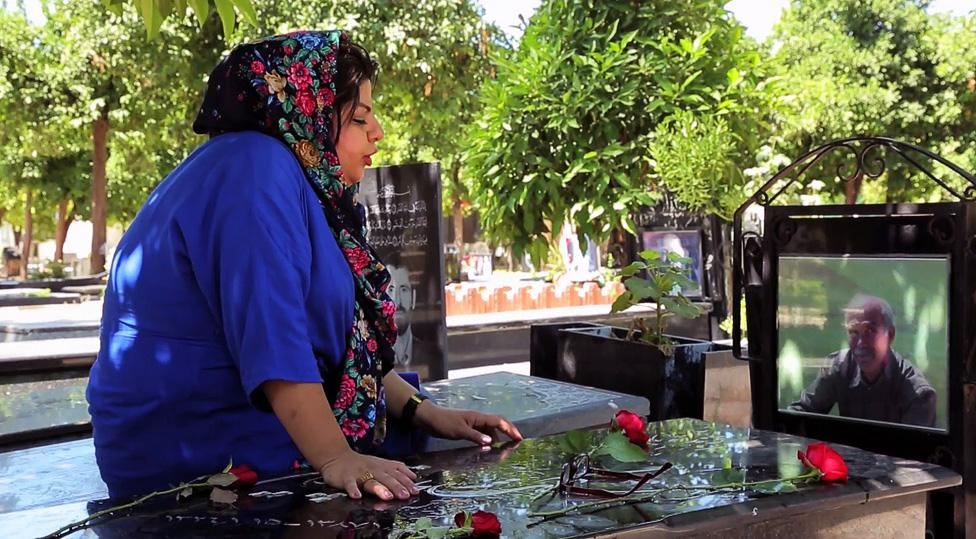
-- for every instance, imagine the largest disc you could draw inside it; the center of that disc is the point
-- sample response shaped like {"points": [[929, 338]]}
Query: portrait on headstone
{"points": [[402, 206], [686, 243], [864, 338]]}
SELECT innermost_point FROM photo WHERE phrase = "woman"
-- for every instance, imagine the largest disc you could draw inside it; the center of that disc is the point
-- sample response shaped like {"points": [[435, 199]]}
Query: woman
{"points": [[246, 316]]}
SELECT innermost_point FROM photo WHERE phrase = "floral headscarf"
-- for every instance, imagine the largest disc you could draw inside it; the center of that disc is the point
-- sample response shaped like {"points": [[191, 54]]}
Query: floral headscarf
{"points": [[283, 86]]}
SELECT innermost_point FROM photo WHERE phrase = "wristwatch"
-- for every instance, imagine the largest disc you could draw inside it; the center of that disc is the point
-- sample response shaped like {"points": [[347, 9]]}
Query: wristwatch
{"points": [[410, 408]]}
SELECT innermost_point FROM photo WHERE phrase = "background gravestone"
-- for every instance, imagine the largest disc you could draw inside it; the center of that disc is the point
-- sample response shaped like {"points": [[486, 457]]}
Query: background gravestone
{"points": [[403, 213], [670, 226]]}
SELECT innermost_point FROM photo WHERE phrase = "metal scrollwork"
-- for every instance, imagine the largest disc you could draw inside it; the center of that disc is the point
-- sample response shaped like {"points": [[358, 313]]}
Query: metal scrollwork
{"points": [[867, 157], [943, 229]]}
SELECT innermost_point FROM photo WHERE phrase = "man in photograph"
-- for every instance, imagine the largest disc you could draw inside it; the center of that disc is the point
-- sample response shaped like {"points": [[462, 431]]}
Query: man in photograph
{"points": [[403, 293], [869, 380]]}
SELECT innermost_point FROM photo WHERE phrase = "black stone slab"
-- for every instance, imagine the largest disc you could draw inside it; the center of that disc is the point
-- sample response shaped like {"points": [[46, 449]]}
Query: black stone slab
{"points": [[505, 480]]}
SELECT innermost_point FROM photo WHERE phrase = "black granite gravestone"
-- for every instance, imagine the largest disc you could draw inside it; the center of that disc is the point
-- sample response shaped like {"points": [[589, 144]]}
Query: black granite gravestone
{"points": [[862, 318], [884, 497], [403, 209], [671, 226]]}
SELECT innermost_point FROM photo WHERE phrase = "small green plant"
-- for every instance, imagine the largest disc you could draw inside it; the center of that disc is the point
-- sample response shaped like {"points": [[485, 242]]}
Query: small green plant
{"points": [[664, 276]]}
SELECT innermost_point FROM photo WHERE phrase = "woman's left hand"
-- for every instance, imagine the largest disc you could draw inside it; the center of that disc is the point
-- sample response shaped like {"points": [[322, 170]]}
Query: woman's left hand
{"points": [[464, 424]]}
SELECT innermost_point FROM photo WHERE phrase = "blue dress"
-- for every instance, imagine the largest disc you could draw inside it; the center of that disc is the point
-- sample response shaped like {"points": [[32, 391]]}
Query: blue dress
{"points": [[228, 277]]}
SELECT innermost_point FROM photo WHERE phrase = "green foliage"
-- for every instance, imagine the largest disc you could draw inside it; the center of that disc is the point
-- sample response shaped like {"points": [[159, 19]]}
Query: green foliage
{"points": [[875, 67], [577, 441], [155, 12], [433, 57], [658, 278], [572, 117], [618, 447]]}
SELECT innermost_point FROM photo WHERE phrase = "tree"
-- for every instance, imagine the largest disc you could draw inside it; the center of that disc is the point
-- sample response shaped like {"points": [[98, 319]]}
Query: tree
{"points": [[572, 119], [875, 67], [155, 12], [132, 95], [433, 56]]}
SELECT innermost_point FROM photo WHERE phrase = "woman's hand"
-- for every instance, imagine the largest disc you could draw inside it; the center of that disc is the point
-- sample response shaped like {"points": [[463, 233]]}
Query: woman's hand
{"points": [[389, 478], [464, 424]]}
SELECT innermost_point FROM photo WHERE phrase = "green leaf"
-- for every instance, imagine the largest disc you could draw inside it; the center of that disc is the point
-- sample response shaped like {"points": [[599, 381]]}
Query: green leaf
{"points": [[620, 448], [650, 255], [728, 476], [114, 6], [775, 488], [727, 463], [222, 479], [733, 76], [631, 269], [227, 17], [185, 493], [201, 8], [576, 442], [151, 16], [423, 523], [247, 10], [678, 259], [622, 303], [438, 532], [221, 496], [643, 288]]}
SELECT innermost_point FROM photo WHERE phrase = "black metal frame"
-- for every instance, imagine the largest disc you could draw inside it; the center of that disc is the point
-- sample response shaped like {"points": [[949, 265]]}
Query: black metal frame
{"points": [[712, 231], [940, 229]]}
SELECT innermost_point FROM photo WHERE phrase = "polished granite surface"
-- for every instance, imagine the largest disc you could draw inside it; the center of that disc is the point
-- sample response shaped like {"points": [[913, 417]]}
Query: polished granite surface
{"points": [[506, 480], [537, 406]]}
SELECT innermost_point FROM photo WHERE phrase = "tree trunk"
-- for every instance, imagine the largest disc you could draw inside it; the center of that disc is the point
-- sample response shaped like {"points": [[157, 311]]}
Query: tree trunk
{"points": [[61, 234], [853, 188], [457, 215], [99, 214], [28, 234]]}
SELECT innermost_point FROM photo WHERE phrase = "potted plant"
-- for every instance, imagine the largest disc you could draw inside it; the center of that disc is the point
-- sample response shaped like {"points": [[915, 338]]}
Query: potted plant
{"points": [[642, 359]]}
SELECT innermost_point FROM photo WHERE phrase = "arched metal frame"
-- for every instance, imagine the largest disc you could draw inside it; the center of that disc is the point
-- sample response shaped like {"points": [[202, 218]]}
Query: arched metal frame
{"points": [[864, 165], [756, 256]]}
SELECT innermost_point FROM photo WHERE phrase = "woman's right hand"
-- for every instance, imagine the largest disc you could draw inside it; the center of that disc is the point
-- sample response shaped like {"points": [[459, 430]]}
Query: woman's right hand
{"points": [[389, 478]]}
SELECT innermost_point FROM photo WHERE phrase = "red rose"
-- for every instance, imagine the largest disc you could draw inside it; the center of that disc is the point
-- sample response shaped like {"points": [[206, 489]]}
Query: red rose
{"points": [[389, 308], [356, 428], [633, 427], [347, 390], [820, 456], [287, 49], [299, 76], [257, 68], [483, 523], [305, 102], [371, 345], [357, 257], [325, 97], [331, 159], [244, 474]]}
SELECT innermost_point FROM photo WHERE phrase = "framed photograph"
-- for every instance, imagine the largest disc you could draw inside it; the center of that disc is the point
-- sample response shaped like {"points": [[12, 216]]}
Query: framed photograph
{"points": [[864, 337], [687, 243]]}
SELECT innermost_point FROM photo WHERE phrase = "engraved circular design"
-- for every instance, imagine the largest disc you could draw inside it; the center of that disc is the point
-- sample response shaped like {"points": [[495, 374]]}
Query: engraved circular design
{"points": [[943, 229], [784, 230]]}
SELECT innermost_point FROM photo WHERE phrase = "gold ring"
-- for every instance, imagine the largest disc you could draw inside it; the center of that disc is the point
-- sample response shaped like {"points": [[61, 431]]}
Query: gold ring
{"points": [[365, 478]]}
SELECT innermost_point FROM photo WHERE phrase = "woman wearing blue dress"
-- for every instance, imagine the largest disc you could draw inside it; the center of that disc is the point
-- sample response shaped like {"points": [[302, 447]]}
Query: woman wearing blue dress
{"points": [[246, 316]]}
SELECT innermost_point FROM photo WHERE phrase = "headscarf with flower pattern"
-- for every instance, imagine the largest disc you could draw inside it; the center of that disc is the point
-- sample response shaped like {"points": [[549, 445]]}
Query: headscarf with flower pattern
{"points": [[283, 86]]}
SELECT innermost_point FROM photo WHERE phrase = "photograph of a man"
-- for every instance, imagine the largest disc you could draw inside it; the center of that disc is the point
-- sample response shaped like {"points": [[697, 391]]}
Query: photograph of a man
{"points": [[869, 380], [403, 293]]}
